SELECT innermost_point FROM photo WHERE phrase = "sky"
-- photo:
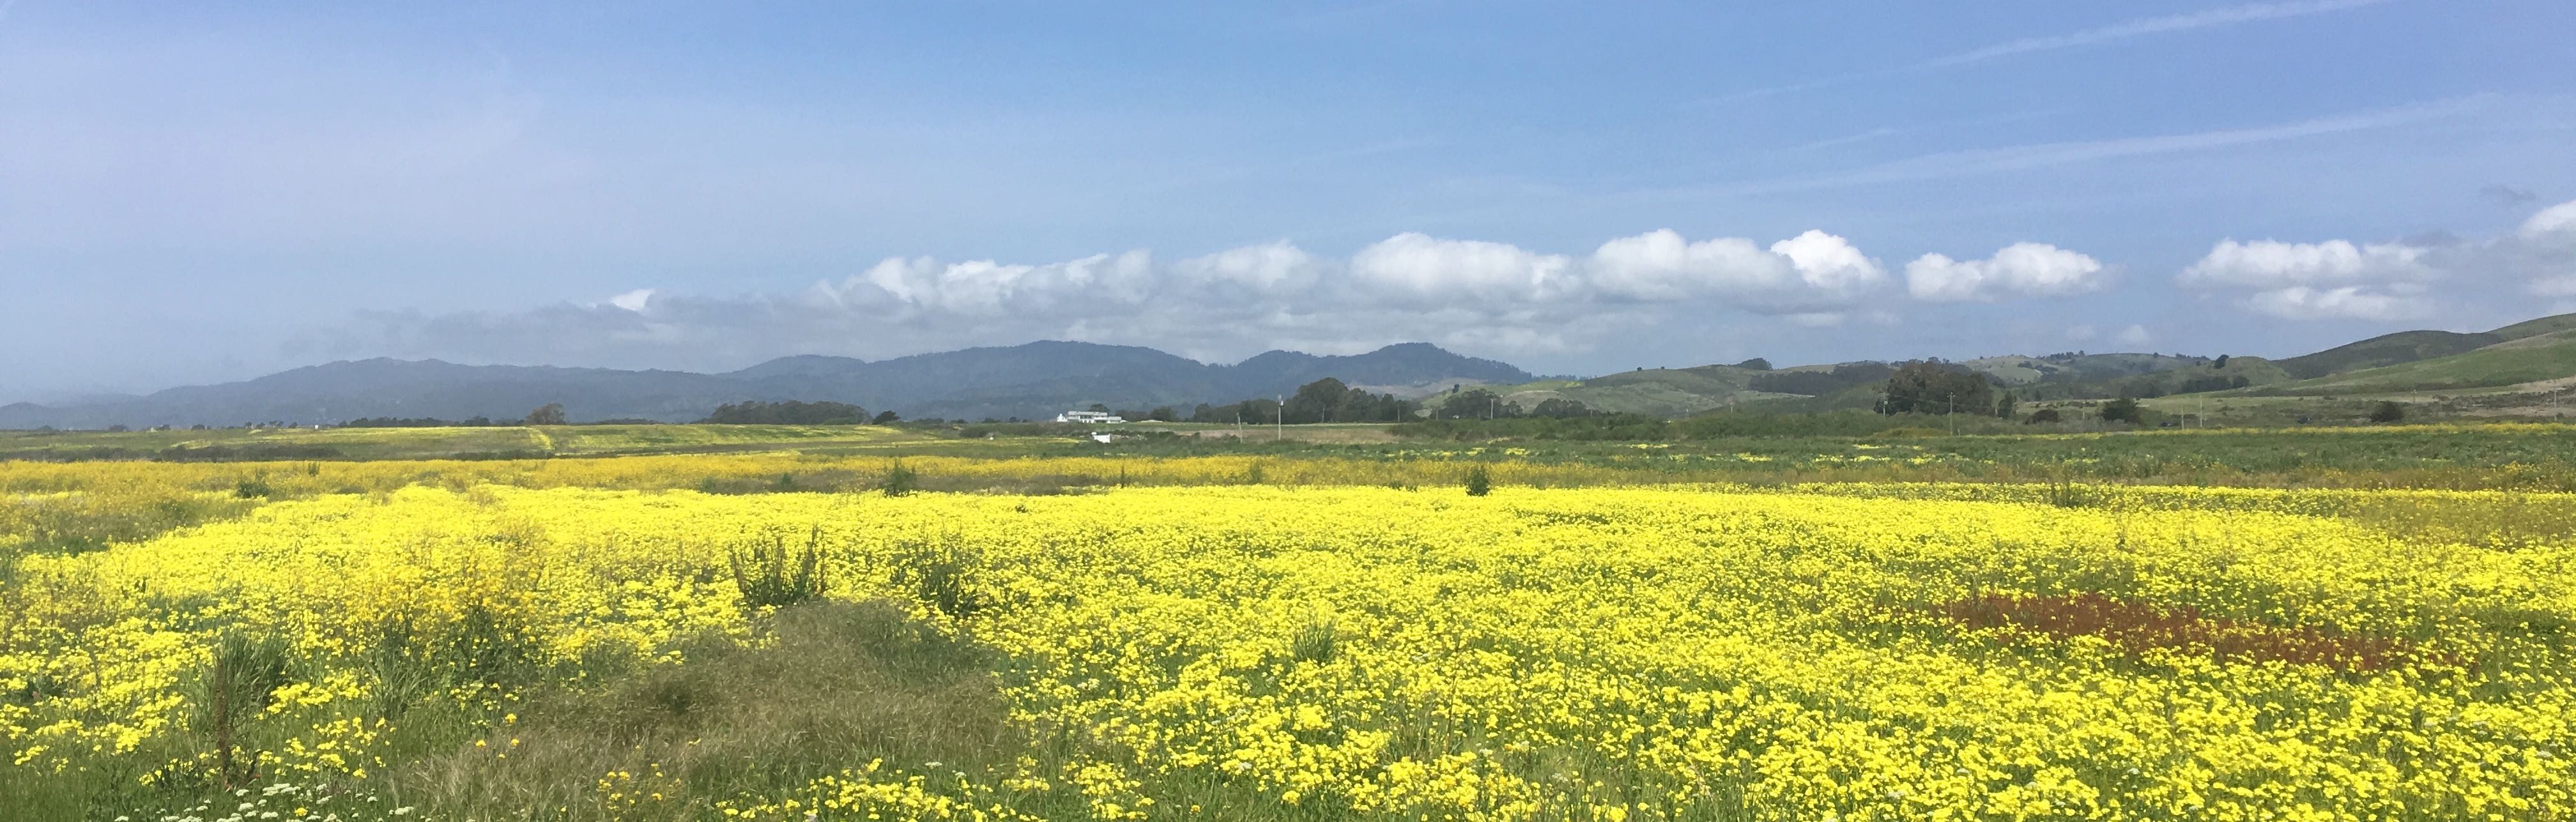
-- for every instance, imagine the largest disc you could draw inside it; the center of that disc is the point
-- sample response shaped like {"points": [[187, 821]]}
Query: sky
{"points": [[199, 193]]}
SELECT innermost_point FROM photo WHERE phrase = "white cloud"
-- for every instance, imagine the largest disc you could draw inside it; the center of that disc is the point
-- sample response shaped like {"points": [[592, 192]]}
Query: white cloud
{"points": [[2393, 280], [1830, 264], [2301, 302], [1265, 268], [2552, 224], [1421, 267], [1659, 265], [2134, 335], [987, 288], [2273, 264], [633, 300], [2021, 269], [1810, 270]]}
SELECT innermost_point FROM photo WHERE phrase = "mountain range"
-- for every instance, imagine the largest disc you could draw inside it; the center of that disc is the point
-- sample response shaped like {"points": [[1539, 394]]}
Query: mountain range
{"points": [[1031, 381], [2523, 369]]}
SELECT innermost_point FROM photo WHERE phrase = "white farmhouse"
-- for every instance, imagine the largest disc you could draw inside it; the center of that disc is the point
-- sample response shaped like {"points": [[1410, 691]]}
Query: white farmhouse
{"points": [[1090, 417]]}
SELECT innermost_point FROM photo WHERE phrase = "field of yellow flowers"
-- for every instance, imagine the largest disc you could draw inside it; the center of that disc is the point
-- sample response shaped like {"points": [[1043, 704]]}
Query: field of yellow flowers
{"points": [[360, 642]]}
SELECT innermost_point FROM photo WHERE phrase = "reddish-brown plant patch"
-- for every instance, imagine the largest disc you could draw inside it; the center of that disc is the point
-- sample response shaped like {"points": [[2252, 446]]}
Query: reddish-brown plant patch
{"points": [[2137, 627]]}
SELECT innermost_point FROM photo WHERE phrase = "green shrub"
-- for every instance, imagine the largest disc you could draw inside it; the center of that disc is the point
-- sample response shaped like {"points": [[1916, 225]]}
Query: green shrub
{"points": [[900, 480], [1319, 641], [768, 574], [1479, 481], [941, 576], [237, 684]]}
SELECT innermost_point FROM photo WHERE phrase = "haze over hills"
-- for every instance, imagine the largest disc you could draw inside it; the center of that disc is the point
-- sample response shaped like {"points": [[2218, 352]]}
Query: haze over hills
{"points": [[1037, 380]]}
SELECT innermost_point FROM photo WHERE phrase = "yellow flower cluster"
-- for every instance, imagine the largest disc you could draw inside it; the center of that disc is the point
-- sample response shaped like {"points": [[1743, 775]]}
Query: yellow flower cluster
{"points": [[1688, 652]]}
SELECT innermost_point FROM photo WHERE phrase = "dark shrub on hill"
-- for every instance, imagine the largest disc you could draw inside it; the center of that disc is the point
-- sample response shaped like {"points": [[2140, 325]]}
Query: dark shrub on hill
{"points": [[791, 412], [2122, 410]]}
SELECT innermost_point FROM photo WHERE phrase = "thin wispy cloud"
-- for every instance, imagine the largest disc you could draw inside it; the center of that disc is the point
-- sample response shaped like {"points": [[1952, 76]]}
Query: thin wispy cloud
{"points": [[2013, 158], [2141, 27]]}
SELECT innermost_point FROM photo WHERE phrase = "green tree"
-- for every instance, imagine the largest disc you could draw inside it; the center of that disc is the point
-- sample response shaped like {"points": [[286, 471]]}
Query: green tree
{"points": [[2004, 407], [551, 414], [1936, 387], [2122, 410], [2387, 411], [886, 418]]}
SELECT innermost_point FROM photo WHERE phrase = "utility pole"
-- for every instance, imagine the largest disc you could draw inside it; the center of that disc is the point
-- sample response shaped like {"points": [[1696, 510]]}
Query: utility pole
{"points": [[1279, 431], [1950, 408]]}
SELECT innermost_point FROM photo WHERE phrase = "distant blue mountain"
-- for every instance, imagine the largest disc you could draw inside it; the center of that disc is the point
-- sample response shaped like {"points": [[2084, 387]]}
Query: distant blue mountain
{"points": [[1035, 380]]}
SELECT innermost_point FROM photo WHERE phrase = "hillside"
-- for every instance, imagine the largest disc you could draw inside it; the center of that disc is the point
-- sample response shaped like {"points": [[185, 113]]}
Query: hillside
{"points": [[2386, 349], [2528, 363]]}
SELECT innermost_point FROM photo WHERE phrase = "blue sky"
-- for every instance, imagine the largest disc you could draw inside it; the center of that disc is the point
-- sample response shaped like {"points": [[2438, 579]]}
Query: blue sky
{"points": [[201, 193]]}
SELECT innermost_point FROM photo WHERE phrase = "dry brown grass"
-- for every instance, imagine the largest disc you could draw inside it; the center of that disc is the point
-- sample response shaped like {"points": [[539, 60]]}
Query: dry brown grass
{"points": [[2139, 627]]}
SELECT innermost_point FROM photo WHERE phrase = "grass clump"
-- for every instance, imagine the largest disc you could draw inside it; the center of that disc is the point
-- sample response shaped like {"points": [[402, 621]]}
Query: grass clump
{"points": [[1319, 641], [237, 684], [770, 575], [941, 575], [900, 480]]}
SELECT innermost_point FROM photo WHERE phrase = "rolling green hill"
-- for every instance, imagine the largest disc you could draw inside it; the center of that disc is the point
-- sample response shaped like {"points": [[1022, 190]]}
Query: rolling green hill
{"points": [[2505, 365], [2386, 349]]}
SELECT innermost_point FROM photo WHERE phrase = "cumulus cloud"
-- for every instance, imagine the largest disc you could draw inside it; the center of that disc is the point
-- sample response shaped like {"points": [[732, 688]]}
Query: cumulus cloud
{"points": [[1811, 270], [2021, 269], [1426, 268], [2135, 335], [633, 300], [2274, 264], [2391, 280], [2301, 302]]}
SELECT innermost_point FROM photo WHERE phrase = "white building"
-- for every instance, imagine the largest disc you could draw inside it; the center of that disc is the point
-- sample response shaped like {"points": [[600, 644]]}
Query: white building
{"points": [[1094, 417]]}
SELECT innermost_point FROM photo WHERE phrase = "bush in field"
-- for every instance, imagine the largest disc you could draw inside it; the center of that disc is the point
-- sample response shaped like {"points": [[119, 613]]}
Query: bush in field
{"points": [[2041, 416], [2122, 410], [2387, 411], [236, 686], [900, 480], [1479, 481], [1319, 641], [942, 576], [770, 575]]}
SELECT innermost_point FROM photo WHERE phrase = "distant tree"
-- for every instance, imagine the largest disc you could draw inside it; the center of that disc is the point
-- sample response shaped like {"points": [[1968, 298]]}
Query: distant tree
{"points": [[1163, 413], [886, 418], [2222, 362], [791, 412], [550, 414], [2387, 411], [1755, 364], [1098, 408], [1473, 404], [1819, 383], [2042, 415], [2004, 406], [1560, 408], [2121, 410], [1935, 387]]}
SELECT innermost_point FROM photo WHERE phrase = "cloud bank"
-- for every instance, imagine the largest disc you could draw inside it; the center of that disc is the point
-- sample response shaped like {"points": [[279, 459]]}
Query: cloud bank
{"points": [[2405, 279], [1489, 297]]}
